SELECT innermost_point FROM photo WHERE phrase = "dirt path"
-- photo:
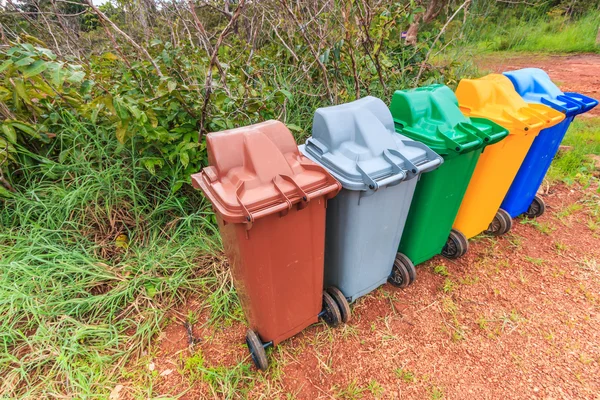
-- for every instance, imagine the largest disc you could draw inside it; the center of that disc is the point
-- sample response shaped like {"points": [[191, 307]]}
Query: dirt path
{"points": [[517, 318], [573, 73]]}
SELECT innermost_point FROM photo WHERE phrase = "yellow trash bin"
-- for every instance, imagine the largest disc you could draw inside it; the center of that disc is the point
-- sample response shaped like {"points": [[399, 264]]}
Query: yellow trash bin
{"points": [[494, 97]]}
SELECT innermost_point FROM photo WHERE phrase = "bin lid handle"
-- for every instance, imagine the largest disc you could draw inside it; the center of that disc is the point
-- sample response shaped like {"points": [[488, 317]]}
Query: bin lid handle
{"points": [[291, 180], [238, 190], [520, 124]]}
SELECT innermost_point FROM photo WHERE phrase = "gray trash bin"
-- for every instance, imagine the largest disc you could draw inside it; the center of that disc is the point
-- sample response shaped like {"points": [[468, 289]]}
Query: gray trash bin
{"points": [[378, 169]]}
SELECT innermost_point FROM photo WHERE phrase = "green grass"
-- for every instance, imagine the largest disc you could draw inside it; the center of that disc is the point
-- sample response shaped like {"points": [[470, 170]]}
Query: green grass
{"points": [[75, 305], [556, 35], [576, 164]]}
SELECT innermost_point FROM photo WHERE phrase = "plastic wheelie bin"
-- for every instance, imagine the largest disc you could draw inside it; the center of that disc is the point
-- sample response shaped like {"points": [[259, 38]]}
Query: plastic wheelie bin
{"points": [[270, 203], [431, 115], [535, 86], [495, 98], [378, 170]]}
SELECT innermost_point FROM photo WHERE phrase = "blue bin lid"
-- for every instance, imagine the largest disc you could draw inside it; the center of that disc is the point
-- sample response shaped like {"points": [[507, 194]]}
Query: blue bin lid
{"points": [[535, 86], [357, 143]]}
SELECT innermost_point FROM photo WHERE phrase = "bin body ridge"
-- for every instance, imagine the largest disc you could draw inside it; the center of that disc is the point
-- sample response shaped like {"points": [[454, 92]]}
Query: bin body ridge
{"points": [[270, 203]]}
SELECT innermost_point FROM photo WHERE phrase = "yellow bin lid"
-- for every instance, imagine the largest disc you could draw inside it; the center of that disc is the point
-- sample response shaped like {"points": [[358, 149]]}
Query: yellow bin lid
{"points": [[494, 97]]}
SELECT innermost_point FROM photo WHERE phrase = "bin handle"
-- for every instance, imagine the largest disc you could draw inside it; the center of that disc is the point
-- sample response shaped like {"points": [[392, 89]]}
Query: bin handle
{"points": [[249, 216], [520, 124], [570, 107], [433, 158], [303, 196], [548, 118], [457, 147], [588, 102]]}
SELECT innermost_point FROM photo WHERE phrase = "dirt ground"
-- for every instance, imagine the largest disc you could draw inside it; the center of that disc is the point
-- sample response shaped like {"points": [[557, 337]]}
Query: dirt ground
{"points": [[572, 73], [518, 317]]}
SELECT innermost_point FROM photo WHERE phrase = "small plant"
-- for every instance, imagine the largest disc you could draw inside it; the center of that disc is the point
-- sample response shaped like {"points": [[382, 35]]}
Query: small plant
{"points": [[406, 375], [352, 391], [436, 393], [535, 261], [482, 322], [375, 388], [560, 247], [542, 227], [449, 285], [441, 270]]}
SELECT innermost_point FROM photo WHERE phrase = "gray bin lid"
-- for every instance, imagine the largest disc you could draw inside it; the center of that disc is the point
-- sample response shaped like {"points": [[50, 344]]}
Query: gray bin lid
{"points": [[358, 144]]}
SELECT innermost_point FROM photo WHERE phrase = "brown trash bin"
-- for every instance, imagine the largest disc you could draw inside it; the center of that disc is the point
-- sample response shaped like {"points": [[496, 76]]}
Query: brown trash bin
{"points": [[270, 203]]}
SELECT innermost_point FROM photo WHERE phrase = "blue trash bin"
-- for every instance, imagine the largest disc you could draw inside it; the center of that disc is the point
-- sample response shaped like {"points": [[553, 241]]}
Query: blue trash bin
{"points": [[535, 86], [378, 169]]}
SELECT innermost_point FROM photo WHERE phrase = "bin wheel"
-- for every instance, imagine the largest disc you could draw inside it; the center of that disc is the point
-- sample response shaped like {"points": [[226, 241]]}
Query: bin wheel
{"points": [[341, 302], [410, 267], [500, 224], [399, 276], [536, 208], [456, 245], [507, 219], [257, 350], [331, 311]]}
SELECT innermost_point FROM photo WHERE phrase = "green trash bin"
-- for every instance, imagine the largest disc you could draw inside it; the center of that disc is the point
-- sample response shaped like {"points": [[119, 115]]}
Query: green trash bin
{"points": [[430, 115]]}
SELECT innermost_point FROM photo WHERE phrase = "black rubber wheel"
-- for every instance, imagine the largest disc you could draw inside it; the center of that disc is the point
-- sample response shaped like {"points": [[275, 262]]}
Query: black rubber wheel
{"points": [[410, 267], [341, 302], [456, 245], [536, 208], [257, 351], [332, 314], [399, 276], [498, 225], [507, 220]]}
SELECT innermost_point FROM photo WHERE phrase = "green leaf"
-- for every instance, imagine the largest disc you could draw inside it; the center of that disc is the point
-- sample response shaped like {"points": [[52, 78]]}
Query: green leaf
{"points": [[35, 69], [76, 77], [20, 90], [150, 290], [152, 163], [28, 129], [185, 158], [121, 133], [6, 64], [171, 85], [294, 128], [9, 133], [24, 61]]}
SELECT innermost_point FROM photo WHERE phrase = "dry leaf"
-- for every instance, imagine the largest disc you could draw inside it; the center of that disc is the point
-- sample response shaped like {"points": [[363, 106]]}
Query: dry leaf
{"points": [[114, 394], [166, 372]]}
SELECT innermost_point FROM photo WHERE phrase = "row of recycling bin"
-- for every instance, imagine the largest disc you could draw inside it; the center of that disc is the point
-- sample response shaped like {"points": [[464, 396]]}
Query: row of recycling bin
{"points": [[375, 191]]}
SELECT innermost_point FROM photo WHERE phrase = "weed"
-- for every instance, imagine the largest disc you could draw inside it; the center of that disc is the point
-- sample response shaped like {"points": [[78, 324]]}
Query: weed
{"points": [[535, 261], [436, 393], [567, 212], [449, 285], [469, 280], [482, 322], [441, 270], [543, 227], [406, 375], [375, 388], [352, 391], [560, 247]]}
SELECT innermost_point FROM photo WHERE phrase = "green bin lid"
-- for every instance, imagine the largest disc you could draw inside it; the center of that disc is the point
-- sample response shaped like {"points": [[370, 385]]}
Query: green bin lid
{"points": [[430, 114]]}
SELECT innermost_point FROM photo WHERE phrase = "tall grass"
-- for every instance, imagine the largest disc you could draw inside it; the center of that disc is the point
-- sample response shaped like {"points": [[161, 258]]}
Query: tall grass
{"points": [[539, 34], [91, 260], [577, 164]]}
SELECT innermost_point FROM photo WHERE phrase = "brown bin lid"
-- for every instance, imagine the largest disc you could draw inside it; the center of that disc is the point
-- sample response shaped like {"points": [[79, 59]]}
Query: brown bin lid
{"points": [[258, 170]]}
